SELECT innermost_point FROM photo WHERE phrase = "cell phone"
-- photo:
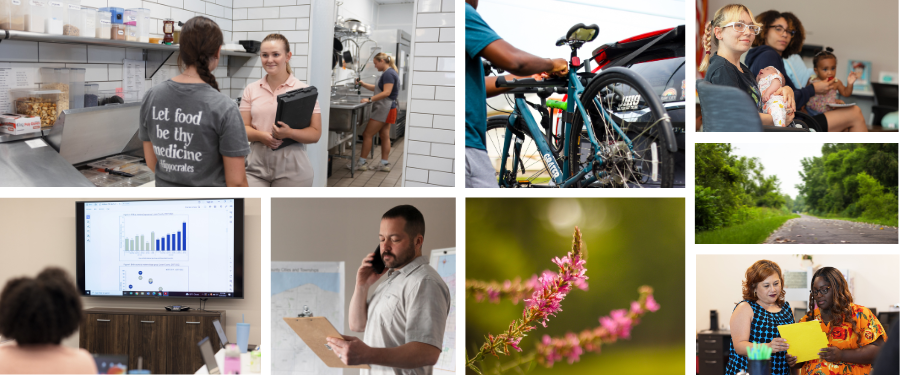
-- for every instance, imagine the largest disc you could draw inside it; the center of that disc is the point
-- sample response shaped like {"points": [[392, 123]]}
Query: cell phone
{"points": [[377, 262]]}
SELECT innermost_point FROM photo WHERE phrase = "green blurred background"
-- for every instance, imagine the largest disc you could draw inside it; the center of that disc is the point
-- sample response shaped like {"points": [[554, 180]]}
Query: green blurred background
{"points": [[630, 242]]}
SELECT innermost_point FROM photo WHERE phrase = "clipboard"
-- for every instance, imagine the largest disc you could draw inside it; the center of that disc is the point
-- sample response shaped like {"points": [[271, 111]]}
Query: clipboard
{"points": [[295, 108], [313, 332]]}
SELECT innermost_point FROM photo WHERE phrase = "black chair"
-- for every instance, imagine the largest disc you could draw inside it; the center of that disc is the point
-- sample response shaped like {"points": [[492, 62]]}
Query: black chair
{"points": [[728, 109]]}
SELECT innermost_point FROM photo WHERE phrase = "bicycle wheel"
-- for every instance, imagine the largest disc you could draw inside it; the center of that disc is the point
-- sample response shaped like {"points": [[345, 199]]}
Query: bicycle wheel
{"points": [[531, 170], [636, 110]]}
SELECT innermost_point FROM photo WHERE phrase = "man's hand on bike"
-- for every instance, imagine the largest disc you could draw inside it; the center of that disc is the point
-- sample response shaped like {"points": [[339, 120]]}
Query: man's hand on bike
{"points": [[560, 68]]}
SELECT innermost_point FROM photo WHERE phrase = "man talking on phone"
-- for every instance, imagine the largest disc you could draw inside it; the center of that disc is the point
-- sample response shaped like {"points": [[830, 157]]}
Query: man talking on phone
{"points": [[404, 318]]}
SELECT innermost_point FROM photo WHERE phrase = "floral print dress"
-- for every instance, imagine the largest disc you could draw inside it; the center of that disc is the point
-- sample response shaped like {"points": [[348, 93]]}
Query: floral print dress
{"points": [[867, 330]]}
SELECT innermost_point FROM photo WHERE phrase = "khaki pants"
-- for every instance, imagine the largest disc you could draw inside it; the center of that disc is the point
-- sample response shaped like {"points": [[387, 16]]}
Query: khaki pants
{"points": [[288, 166]]}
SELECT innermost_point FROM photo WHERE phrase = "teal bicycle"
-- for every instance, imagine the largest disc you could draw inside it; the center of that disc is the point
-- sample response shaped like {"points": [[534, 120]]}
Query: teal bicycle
{"points": [[622, 138]]}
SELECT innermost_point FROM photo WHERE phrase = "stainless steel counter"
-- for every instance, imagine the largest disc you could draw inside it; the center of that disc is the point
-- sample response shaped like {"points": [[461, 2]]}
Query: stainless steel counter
{"points": [[346, 113], [24, 166]]}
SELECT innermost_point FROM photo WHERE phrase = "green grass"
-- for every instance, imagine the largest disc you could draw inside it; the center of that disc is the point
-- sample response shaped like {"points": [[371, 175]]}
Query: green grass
{"points": [[751, 232], [886, 222]]}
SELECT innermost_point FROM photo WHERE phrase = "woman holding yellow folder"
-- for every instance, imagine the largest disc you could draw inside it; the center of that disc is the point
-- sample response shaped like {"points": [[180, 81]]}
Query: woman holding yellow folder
{"points": [[854, 334], [757, 317]]}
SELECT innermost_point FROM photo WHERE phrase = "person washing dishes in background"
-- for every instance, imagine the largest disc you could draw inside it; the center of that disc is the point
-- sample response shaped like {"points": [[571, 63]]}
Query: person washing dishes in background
{"points": [[404, 319], [268, 165], [192, 133], [38, 313], [384, 111]]}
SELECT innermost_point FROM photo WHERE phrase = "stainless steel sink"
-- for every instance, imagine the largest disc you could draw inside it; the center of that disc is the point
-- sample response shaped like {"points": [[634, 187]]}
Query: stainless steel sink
{"points": [[342, 108]]}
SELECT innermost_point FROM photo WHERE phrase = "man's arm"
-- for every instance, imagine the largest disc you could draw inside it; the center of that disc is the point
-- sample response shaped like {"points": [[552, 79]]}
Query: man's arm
{"points": [[358, 308], [503, 55], [365, 277], [353, 351]]}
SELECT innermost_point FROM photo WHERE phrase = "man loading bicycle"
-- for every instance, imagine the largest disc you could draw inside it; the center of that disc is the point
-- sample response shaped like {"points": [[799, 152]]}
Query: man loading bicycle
{"points": [[483, 42]]}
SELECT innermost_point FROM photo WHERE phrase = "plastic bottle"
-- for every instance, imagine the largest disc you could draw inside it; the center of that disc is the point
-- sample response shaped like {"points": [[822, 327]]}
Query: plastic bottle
{"points": [[232, 363]]}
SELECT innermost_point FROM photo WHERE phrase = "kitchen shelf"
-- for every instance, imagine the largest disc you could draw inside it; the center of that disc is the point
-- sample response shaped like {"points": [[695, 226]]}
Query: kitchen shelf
{"points": [[154, 54]]}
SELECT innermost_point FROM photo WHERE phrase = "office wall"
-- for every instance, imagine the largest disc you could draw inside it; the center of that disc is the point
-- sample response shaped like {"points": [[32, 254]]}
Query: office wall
{"points": [[344, 229], [875, 278], [866, 31], [45, 236], [430, 135]]}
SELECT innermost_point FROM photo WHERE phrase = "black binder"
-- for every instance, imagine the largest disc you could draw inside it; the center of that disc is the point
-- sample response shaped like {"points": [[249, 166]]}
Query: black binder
{"points": [[295, 108]]}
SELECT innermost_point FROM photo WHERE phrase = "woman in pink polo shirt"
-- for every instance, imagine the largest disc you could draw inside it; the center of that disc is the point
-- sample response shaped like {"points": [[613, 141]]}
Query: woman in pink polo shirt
{"points": [[266, 166]]}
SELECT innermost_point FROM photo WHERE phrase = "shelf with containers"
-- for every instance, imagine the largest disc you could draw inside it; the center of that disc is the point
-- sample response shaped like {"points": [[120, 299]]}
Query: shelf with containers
{"points": [[106, 34]]}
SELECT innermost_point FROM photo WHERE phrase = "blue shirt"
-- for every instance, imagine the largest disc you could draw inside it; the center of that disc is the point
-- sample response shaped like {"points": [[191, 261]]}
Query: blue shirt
{"points": [[478, 36], [390, 76]]}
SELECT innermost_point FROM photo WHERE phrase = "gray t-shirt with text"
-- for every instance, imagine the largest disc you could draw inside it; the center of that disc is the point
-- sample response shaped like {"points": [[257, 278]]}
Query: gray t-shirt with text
{"points": [[191, 126]]}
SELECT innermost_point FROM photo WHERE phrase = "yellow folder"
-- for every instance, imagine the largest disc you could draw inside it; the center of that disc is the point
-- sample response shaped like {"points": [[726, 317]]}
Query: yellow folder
{"points": [[806, 339]]}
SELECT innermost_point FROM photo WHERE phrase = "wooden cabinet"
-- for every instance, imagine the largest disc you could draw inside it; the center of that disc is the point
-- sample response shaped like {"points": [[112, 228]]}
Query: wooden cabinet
{"points": [[148, 341], [166, 340]]}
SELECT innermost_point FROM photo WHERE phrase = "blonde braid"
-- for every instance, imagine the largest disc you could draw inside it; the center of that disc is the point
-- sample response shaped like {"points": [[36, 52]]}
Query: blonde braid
{"points": [[707, 46]]}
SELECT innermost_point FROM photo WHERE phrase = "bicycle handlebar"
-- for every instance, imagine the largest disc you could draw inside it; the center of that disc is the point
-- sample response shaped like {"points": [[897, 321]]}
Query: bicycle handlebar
{"points": [[531, 82]]}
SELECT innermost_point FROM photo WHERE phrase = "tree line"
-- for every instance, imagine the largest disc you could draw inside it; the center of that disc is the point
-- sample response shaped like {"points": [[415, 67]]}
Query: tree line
{"points": [[730, 189], [851, 180]]}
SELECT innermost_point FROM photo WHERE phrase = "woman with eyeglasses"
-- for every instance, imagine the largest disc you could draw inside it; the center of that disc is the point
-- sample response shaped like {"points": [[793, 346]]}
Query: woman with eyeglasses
{"points": [[854, 334], [732, 31], [778, 39], [756, 318]]}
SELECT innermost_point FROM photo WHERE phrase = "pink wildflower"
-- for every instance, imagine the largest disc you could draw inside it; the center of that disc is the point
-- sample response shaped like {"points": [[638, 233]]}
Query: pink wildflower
{"points": [[635, 307], [651, 304], [514, 342]]}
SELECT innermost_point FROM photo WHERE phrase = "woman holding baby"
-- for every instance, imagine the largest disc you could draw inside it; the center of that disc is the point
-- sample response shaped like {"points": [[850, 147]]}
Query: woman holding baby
{"points": [[781, 36]]}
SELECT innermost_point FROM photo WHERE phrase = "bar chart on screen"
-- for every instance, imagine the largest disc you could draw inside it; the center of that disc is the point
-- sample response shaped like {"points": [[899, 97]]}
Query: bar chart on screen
{"points": [[154, 236]]}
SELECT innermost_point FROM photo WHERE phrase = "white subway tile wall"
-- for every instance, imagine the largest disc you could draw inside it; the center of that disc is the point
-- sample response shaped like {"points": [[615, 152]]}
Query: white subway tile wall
{"points": [[430, 129]]}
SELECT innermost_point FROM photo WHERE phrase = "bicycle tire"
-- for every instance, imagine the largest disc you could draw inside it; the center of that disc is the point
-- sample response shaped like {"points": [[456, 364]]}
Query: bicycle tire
{"points": [[645, 129], [536, 171]]}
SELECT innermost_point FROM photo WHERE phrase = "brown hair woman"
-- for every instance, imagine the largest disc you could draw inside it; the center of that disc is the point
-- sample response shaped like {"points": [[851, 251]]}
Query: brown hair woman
{"points": [[756, 318], [192, 133], [268, 165], [384, 111]]}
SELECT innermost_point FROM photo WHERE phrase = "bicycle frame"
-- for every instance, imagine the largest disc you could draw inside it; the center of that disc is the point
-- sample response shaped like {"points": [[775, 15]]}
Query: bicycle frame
{"points": [[575, 89]]}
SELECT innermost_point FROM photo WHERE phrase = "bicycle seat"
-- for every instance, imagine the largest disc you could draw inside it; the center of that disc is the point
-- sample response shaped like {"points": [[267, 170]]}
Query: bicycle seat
{"points": [[580, 34]]}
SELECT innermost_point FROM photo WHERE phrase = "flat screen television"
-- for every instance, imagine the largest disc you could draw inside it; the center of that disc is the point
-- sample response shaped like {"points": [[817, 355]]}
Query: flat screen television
{"points": [[163, 248]]}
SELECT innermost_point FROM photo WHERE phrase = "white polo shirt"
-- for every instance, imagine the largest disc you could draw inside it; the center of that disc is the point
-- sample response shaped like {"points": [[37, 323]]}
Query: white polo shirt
{"points": [[410, 305]]}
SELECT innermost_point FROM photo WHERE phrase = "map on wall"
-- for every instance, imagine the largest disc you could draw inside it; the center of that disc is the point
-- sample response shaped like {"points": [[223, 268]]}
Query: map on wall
{"points": [[316, 285], [444, 261]]}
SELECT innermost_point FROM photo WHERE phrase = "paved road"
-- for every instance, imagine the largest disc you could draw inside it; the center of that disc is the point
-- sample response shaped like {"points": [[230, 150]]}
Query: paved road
{"points": [[812, 230]]}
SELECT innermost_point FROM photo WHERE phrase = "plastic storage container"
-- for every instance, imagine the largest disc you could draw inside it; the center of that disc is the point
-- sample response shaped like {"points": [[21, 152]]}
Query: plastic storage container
{"points": [[143, 25], [12, 14], [117, 23], [56, 16], [37, 103], [36, 18], [130, 17], [74, 18], [57, 79], [76, 88], [131, 33], [104, 24], [89, 15], [91, 91]]}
